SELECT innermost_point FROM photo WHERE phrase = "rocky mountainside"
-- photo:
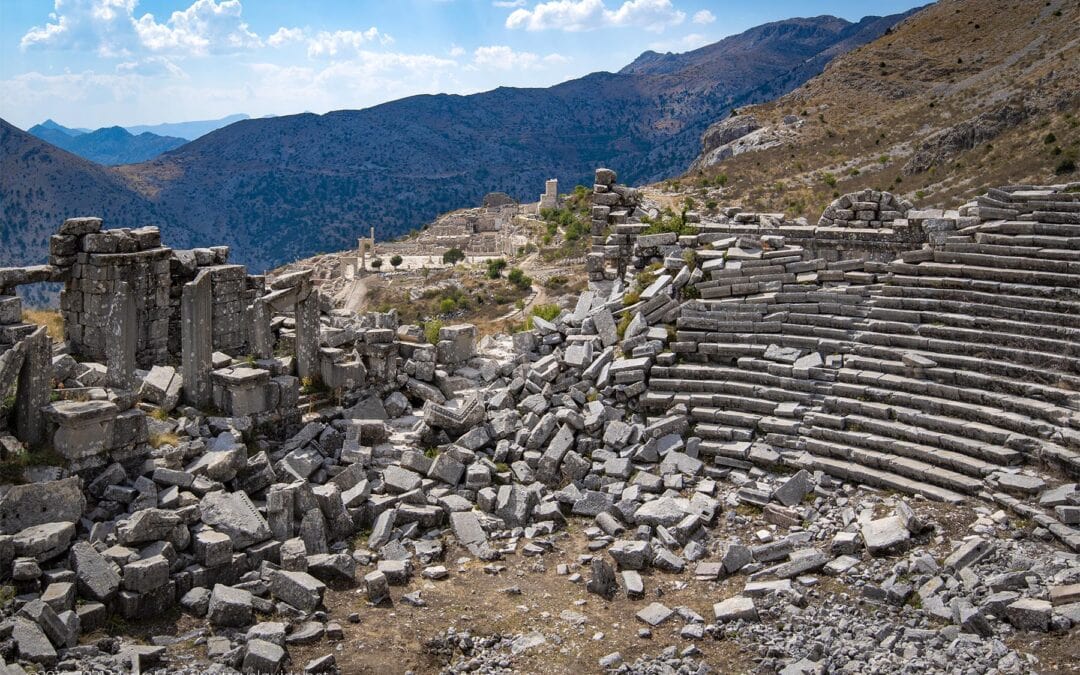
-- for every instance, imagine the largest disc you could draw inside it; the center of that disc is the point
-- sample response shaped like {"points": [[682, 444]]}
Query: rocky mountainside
{"points": [[918, 111], [42, 184], [284, 188], [109, 145]]}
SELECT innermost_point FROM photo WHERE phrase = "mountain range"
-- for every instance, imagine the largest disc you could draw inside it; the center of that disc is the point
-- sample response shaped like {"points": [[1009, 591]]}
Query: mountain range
{"points": [[284, 188], [109, 145]]}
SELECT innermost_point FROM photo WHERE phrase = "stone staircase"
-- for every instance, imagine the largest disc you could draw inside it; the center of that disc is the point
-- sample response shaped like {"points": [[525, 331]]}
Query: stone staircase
{"points": [[951, 372]]}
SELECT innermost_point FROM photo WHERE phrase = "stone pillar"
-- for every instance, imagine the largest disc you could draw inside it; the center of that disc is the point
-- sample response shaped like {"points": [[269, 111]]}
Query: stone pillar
{"points": [[123, 338], [33, 389], [261, 337], [307, 333], [196, 339]]}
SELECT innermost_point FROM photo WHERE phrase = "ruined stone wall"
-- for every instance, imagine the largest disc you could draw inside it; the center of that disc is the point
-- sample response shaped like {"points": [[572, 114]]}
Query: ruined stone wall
{"points": [[233, 290], [93, 262]]}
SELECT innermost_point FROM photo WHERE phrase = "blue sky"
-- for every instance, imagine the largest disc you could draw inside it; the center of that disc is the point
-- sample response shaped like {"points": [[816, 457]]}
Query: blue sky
{"points": [[91, 63]]}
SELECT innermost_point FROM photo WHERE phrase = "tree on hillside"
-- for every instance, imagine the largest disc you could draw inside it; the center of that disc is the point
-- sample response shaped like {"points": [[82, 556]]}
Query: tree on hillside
{"points": [[376, 263], [396, 261], [453, 256]]}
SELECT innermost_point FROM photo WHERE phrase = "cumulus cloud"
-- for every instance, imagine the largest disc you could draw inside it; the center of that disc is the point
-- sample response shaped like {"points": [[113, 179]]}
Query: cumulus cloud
{"points": [[204, 27], [704, 17], [326, 43], [102, 26], [284, 36], [581, 15], [110, 28]]}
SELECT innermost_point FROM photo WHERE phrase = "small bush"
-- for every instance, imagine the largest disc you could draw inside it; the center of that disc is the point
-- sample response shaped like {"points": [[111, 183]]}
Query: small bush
{"points": [[396, 261], [495, 268], [376, 263], [453, 256], [520, 279], [431, 331], [545, 312], [1049, 138], [1065, 166]]}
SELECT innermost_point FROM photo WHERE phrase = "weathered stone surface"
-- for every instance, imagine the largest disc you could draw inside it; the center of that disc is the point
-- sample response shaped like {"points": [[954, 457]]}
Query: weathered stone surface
{"points": [[299, 589], [230, 606], [735, 609], [885, 534], [95, 576], [233, 514], [24, 506]]}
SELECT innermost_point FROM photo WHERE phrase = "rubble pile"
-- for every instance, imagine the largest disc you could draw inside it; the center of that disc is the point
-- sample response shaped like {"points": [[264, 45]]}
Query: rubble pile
{"points": [[716, 410]]}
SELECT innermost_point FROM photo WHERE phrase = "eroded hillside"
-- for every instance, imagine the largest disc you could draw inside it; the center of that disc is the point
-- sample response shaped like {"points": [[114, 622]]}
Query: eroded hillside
{"points": [[961, 96]]}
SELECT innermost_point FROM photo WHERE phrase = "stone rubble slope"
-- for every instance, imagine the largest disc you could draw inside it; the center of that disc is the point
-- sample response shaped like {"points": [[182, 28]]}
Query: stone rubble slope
{"points": [[713, 380]]}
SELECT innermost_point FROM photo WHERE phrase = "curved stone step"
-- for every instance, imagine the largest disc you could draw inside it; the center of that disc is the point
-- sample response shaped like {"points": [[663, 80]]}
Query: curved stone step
{"points": [[870, 375], [855, 435], [973, 320], [1007, 423], [932, 345], [1031, 291], [1002, 369], [950, 304], [913, 433], [909, 287], [912, 469], [851, 471]]}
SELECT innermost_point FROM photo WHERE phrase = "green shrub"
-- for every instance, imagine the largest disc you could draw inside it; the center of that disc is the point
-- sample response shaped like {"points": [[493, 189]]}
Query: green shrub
{"points": [[520, 279], [453, 256], [545, 312], [495, 268], [431, 331], [1065, 166], [396, 261]]}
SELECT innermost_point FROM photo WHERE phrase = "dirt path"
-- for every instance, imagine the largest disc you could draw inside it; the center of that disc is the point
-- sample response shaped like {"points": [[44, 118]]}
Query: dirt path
{"points": [[354, 295], [529, 595]]}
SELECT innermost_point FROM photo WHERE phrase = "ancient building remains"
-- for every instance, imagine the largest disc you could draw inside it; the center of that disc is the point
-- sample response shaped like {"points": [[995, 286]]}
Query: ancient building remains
{"points": [[725, 365]]}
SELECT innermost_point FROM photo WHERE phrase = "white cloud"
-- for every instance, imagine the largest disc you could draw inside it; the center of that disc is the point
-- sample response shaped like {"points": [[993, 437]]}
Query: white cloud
{"points": [[102, 26], [704, 17], [456, 51], [204, 27], [326, 43], [501, 57], [506, 4], [284, 36], [110, 28], [152, 66], [582, 15]]}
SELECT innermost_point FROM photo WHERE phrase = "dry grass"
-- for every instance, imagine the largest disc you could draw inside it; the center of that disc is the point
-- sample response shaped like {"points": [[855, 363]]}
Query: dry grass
{"points": [[158, 440], [50, 318], [873, 107]]}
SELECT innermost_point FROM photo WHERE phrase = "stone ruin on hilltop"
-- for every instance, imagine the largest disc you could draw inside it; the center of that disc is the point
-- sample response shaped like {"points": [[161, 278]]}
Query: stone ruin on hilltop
{"points": [[223, 437]]}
